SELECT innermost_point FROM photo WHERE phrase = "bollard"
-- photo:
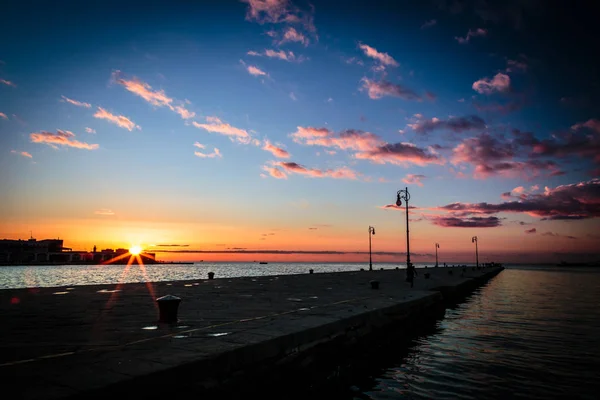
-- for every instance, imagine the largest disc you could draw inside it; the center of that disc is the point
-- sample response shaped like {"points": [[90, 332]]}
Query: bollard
{"points": [[374, 284], [211, 275], [167, 308], [362, 269], [310, 271], [397, 268]]}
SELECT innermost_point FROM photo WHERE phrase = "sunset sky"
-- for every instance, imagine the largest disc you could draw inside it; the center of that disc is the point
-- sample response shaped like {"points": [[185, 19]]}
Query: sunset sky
{"points": [[290, 126]]}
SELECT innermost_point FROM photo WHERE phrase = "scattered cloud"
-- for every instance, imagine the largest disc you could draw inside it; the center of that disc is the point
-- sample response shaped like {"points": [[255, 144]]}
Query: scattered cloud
{"points": [[293, 96], [288, 56], [3, 116], [278, 11], [429, 24], [345, 140], [276, 151], [292, 35], [255, 71], [455, 124], [76, 103], [60, 138], [377, 90], [22, 153], [400, 154], [214, 154], [566, 202], [157, 98], [118, 120], [471, 34], [90, 130], [531, 231], [499, 83], [414, 179], [384, 58], [7, 83], [468, 222], [516, 66], [104, 211], [215, 125], [280, 169]]}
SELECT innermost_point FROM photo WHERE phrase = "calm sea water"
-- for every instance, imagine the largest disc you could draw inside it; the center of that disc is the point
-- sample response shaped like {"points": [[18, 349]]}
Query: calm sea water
{"points": [[532, 332]]}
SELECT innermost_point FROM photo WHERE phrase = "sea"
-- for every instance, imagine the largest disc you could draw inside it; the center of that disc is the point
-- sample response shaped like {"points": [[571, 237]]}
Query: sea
{"points": [[532, 332]]}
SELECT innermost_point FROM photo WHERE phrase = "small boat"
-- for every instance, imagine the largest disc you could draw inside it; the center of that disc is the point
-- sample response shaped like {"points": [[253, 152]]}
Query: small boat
{"points": [[263, 262]]}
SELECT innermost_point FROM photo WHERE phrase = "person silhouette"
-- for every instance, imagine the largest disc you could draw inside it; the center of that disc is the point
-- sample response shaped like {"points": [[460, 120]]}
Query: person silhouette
{"points": [[411, 272]]}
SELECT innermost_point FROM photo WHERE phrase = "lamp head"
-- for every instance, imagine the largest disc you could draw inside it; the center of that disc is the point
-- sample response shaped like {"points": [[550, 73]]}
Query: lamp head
{"points": [[398, 200], [373, 230]]}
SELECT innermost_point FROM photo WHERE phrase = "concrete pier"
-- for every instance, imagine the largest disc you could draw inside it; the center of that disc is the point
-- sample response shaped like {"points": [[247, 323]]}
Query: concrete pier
{"points": [[96, 341]]}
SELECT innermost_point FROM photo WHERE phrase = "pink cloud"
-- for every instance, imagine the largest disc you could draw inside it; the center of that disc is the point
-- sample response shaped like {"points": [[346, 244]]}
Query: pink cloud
{"points": [[22, 153], [276, 151], [275, 172], [7, 83], [516, 66], [76, 103], [345, 140], [413, 179], [278, 11], [383, 58], [400, 154], [468, 222], [565, 202], [530, 231], [377, 90], [255, 71], [215, 153], [499, 83], [295, 168], [591, 124], [3, 116], [118, 120], [455, 124], [471, 34], [60, 138], [281, 54], [90, 130], [157, 98], [217, 126], [292, 35]]}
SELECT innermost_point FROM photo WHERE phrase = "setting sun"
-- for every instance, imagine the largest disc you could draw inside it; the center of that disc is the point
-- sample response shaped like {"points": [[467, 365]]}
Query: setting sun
{"points": [[135, 250]]}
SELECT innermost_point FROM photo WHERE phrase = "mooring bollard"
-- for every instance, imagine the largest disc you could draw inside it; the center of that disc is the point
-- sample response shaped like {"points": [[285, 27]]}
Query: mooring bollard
{"points": [[374, 284], [311, 271], [211, 275], [167, 308]]}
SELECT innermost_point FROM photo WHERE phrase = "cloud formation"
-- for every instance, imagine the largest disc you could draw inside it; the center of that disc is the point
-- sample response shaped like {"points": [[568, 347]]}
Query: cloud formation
{"points": [[104, 211], [215, 125], [400, 154], [3, 116], [157, 98], [214, 154], [7, 83], [255, 71], [384, 58], [281, 169], [468, 222], [414, 179], [276, 151], [499, 83], [118, 120], [377, 90], [76, 103], [429, 24], [278, 11], [454, 124], [90, 130], [288, 56], [531, 231], [22, 153], [292, 35], [566, 202], [345, 140], [60, 138], [471, 34]]}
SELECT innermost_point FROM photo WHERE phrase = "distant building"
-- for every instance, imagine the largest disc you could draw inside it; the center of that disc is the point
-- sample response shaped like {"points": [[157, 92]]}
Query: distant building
{"points": [[52, 251]]}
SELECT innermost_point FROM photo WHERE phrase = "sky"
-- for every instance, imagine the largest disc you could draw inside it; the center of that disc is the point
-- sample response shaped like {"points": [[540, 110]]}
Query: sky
{"points": [[288, 127]]}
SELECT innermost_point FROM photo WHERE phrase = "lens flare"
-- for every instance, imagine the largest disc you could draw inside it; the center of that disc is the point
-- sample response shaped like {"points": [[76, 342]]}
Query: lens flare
{"points": [[135, 250]]}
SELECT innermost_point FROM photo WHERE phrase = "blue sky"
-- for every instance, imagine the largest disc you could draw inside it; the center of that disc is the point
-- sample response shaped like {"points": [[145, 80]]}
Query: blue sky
{"points": [[472, 103]]}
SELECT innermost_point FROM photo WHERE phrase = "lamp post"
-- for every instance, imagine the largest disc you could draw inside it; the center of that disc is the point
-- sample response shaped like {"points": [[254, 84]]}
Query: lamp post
{"points": [[371, 232], [437, 246], [474, 240], [404, 195]]}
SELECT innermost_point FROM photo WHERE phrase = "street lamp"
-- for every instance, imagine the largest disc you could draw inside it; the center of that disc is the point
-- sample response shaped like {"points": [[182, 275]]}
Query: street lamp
{"points": [[474, 240], [437, 246], [371, 232], [404, 195]]}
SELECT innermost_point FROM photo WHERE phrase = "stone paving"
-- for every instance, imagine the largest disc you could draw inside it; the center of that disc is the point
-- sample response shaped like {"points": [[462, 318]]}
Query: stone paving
{"points": [[57, 342]]}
